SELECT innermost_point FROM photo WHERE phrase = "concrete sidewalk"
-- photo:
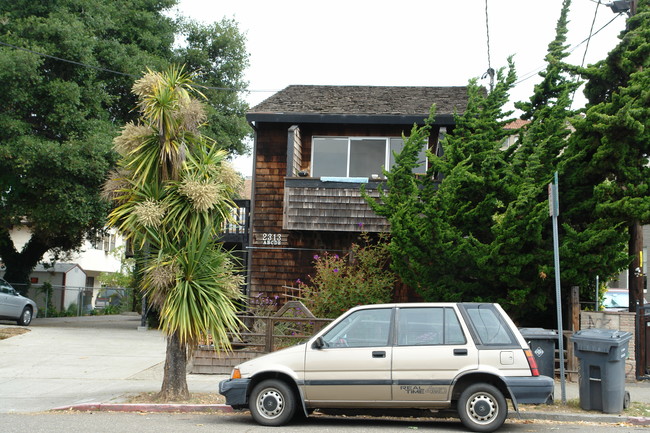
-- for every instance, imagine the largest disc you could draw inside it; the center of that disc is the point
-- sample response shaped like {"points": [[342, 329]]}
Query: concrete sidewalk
{"points": [[78, 360], [95, 362]]}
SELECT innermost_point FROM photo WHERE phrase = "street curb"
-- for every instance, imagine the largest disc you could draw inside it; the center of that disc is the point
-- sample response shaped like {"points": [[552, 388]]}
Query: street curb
{"points": [[136, 407], [579, 417], [206, 408]]}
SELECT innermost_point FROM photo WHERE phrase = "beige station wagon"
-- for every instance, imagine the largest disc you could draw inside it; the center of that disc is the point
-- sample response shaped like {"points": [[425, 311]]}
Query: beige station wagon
{"points": [[468, 357]]}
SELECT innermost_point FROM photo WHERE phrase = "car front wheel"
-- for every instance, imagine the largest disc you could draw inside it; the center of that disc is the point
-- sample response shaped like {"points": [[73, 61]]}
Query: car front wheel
{"points": [[482, 408], [272, 403], [25, 317]]}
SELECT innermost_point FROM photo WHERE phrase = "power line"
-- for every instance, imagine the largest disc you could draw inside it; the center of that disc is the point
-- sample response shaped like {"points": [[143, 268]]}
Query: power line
{"points": [[591, 31], [111, 71], [490, 71], [534, 72], [68, 61]]}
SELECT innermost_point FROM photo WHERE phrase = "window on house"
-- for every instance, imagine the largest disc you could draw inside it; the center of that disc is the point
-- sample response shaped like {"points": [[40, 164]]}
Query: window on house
{"points": [[356, 156], [105, 243]]}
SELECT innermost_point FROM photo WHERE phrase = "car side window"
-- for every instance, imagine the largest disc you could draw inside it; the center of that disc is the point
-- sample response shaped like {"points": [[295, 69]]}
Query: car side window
{"points": [[5, 288], [428, 326], [363, 328]]}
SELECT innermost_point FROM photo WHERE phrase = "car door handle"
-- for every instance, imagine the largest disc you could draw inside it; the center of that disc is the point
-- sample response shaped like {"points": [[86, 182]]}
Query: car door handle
{"points": [[378, 354], [460, 352]]}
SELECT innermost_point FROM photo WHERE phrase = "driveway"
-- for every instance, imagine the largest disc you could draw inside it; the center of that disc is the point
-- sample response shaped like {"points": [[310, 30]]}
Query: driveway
{"points": [[75, 360]]}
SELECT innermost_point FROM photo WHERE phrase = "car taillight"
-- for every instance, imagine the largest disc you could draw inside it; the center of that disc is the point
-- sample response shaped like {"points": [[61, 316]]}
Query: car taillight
{"points": [[531, 362]]}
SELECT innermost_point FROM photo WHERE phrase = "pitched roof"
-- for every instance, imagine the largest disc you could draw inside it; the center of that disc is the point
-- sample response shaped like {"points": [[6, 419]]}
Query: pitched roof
{"points": [[356, 102], [516, 124]]}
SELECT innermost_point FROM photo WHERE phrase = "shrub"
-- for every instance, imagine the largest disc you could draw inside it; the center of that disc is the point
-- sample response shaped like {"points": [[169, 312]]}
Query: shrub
{"points": [[359, 277]]}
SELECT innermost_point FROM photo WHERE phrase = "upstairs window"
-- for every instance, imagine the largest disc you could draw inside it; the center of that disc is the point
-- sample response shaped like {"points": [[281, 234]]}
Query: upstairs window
{"points": [[357, 156]]}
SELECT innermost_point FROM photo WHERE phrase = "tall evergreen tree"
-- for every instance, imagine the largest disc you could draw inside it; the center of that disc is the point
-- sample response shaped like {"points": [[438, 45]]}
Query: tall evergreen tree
{"points": [[481, 230], [611, 146], [441, 222]]}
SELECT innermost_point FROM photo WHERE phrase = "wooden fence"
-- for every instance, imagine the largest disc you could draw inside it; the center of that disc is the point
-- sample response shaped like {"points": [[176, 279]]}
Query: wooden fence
{"points": [[292, 324]]}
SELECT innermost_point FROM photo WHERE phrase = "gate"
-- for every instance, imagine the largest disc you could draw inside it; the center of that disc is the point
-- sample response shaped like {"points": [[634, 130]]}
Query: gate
{"points": [[643, 341]]}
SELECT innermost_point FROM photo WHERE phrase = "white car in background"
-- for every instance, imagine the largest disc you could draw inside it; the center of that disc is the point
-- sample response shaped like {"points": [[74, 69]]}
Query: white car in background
{"points": [[14, 306]]}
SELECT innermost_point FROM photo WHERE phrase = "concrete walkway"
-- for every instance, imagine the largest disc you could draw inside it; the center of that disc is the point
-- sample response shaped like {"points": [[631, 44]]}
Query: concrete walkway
{"points": [[72, 361]]}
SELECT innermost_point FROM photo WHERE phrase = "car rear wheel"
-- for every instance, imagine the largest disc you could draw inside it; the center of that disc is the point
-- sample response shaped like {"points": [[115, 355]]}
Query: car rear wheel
{"points": [[25, 317], [482, 408], [272, 403]]}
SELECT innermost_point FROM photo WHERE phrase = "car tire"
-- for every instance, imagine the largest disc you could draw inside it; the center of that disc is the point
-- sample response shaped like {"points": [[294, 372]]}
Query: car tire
{"points": [[482, 408], [272, 403], [25, 317]]}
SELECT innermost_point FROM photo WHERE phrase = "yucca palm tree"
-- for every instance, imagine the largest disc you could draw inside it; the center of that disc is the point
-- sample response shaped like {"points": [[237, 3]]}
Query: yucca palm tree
{"points": [[172, 193]]}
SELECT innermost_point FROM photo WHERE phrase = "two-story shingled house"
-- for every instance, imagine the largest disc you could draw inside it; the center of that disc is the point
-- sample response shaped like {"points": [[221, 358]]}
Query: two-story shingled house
{"points": [[314, 147]]}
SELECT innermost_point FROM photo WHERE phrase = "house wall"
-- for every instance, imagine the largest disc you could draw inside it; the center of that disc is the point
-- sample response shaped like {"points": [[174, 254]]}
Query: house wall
{"points": [[93, 259], [279, 257]]}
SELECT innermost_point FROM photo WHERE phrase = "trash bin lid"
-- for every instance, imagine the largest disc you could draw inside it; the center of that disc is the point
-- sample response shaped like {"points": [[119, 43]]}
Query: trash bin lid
{"points": [[600, 340], [539, 333]]}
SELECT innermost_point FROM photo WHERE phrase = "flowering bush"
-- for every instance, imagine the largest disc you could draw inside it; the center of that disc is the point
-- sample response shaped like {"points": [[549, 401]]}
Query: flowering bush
{"points": [[340, 283]]}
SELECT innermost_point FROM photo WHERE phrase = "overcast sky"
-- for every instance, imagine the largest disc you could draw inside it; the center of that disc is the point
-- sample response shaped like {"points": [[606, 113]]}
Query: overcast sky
{"points": [[403, 42]]}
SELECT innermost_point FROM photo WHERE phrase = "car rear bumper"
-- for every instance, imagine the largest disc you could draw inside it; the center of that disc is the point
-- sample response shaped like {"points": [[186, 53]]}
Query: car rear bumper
{"points": [[530, 390], [235, 391]]}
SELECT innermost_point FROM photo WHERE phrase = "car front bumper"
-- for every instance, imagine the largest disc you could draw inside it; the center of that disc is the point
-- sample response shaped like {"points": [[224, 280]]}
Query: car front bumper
{"points": [[530, 390], [235, 391]]}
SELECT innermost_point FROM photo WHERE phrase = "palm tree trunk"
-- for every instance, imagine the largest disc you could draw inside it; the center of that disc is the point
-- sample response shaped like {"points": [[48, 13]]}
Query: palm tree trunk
{"points": [[174, 386]]}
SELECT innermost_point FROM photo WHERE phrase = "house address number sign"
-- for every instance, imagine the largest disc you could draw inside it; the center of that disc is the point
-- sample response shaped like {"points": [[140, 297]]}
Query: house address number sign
{"points": [[270, 239]]}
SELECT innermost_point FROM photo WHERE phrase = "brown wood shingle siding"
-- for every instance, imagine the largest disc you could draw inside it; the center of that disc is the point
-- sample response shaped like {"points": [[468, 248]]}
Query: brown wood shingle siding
{"points": [[330, 209]]}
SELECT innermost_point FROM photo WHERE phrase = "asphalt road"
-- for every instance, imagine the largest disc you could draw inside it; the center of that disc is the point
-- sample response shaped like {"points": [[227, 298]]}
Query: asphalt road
{"points": [[106, 422]]}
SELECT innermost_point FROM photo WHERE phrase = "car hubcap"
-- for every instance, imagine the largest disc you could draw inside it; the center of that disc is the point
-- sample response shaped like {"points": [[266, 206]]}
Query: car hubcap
{"points": [[27, 316], [482, 408], [270, 403]]}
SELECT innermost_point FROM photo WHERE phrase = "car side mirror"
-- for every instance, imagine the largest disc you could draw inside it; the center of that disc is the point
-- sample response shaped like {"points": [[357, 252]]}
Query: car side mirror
{"points": [[318, 343]]}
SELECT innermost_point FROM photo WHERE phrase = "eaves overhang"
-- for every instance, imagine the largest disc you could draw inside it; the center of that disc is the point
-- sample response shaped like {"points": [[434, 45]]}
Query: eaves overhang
{"points": [[357, 119]]}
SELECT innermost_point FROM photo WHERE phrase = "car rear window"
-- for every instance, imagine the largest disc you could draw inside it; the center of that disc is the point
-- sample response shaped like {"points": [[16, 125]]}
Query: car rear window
{"points": [[489, 326]]}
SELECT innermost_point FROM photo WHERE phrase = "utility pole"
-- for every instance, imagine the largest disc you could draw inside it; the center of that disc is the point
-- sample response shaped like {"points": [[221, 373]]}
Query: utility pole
{"points": [[635, 230]]}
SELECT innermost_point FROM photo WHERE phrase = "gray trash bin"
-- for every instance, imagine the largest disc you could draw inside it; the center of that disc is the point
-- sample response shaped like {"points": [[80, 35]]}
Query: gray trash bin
{"points": [[602, 354]]}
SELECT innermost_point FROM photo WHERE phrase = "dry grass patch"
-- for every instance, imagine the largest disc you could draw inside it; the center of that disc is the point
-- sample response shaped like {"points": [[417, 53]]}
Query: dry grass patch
{"points": [[11, 332], [573, 406], [195, 398]]}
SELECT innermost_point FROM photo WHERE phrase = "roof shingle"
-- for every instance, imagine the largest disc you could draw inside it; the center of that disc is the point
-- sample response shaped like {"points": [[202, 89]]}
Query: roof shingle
{"points": [[364, 100]]}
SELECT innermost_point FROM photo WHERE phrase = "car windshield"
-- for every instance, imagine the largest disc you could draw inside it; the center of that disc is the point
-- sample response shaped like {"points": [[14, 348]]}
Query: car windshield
{"points": [[616, 300]]}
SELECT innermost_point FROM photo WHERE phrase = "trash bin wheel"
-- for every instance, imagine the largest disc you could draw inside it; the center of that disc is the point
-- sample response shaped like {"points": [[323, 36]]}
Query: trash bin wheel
{"points": [[626, 400]]}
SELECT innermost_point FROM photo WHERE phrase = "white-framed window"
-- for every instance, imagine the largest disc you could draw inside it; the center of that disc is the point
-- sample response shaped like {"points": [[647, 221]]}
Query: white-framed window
{"points": [[105, 242], [357, 156]]}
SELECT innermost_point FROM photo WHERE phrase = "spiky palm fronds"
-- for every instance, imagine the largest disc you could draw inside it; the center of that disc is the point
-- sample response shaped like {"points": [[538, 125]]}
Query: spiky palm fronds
{"points": [[204, 295]]}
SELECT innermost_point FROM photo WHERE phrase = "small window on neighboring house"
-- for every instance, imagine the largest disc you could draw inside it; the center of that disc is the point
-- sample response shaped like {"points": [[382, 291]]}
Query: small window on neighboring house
{"points": [[105, 243], [357, 156], [97, 242], [108, 243]]}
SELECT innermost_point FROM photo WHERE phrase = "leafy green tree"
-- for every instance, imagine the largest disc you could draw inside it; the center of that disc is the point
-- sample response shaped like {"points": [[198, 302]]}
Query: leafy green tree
{"points": [[611, 145], [58, 118], [172, 194]]}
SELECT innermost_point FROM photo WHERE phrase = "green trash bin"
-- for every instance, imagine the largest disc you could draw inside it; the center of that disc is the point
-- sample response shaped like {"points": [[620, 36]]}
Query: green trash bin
{"points": [[601, 354]]}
